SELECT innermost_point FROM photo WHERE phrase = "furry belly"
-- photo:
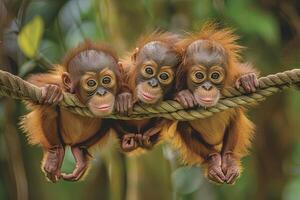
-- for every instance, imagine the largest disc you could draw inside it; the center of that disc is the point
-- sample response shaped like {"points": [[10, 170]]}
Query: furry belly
{"points": [[212, 129], [211, 138], [82, 128]]}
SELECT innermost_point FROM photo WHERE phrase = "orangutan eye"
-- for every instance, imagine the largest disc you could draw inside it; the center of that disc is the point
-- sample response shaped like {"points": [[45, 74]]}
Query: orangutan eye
{"points": [[199, 75], [164, 76], [149, 70], [106, 80], [91, 83], [215, 75]]}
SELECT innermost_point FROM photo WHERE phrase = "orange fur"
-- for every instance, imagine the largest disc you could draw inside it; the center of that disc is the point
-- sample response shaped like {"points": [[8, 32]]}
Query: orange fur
{"points": [[128, 61], [75, 128], [228, 41], [227, 131], [41, 122], [130, 68], [40, 125], [88, 45], [36, 123], [167, 38]]}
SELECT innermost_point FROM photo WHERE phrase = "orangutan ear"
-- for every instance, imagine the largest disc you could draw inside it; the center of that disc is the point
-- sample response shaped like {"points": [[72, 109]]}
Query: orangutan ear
{"points": [[133, 57], [66, 79], [120, 65]]}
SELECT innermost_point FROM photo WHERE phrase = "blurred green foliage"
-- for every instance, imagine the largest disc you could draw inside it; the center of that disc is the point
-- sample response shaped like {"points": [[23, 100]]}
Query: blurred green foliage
{"points": [[30, 36], [270, 31]]}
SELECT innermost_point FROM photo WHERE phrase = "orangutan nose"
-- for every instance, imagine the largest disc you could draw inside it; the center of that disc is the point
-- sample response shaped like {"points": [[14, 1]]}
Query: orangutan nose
{"points": [[153, 82], [207, 86], [102, 91]]}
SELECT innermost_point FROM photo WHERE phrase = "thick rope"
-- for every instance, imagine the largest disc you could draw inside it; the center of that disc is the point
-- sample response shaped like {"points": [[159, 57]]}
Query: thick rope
{"points": [[16, 88]]}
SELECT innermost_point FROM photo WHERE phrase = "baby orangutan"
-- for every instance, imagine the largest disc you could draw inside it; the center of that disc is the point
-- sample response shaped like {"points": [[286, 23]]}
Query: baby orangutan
{"points": [[150, 76], [91, 72], [210, 63]]}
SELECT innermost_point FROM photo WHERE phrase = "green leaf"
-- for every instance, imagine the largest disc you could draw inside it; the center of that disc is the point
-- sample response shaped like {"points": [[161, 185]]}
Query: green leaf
{"points": [[30, 36]]}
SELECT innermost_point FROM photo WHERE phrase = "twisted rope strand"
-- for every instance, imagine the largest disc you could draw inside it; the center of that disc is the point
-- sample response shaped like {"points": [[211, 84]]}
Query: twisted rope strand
{"points": [[17, 88]]}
